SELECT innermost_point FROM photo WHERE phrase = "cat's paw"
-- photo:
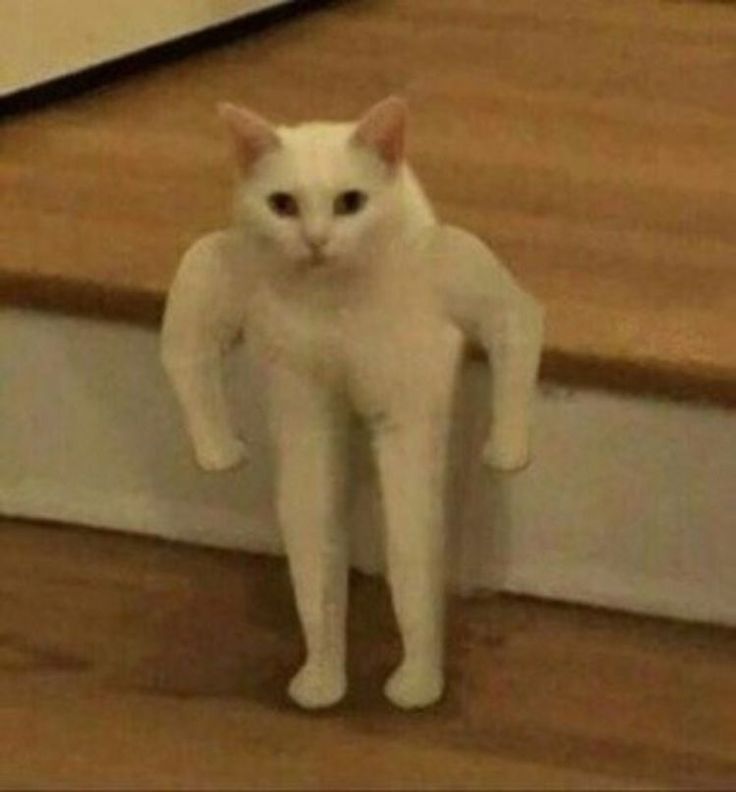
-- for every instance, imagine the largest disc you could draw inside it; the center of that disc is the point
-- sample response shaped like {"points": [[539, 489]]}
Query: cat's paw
{"points": [[315, 687], [506, 457], [414, 687], [224, 456]]}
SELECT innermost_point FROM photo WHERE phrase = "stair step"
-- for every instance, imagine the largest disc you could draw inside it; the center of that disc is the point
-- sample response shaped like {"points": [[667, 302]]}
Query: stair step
{"points": [[592, 143]]}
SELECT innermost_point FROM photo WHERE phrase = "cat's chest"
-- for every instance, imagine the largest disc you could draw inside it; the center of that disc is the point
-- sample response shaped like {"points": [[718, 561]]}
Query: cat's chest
{"points": [[295, 336], [373, 349]]}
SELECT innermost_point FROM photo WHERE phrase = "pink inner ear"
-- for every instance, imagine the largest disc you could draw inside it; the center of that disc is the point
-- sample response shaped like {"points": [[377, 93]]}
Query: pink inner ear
{"points": [[253, 135], [383, 128]]}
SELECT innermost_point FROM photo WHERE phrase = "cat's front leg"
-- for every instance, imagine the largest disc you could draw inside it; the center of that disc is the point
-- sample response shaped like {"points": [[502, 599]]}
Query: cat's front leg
{"points": [[487, 305], [201, 321], [201, 393], [515, 345], [309, 433]]}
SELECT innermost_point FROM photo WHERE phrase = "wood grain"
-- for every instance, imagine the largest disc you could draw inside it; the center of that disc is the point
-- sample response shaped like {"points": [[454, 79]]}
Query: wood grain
{"points": [[592, 142], [131, 663]]}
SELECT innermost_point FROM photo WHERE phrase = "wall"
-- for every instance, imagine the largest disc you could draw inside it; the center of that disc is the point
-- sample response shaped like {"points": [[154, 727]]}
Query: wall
{"points": [[40, 39], [630, 502]]}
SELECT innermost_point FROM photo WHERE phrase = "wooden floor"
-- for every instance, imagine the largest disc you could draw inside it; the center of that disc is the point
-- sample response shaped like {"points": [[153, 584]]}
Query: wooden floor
{"points": [[593, 142], [131, 663]]}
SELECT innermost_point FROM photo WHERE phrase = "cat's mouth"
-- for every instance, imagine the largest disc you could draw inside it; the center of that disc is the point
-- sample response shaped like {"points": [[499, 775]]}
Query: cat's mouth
{"points": [[316, 260], [321, 263]]}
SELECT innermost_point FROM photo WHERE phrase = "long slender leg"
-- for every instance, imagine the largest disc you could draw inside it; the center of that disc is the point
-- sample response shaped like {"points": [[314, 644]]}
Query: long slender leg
{"points": [[410, 465], [309, 436], [411, 449]]}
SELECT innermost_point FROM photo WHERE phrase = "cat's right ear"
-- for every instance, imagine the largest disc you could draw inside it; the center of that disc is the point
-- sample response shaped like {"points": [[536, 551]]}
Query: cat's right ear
{"points": [[252, 135]]}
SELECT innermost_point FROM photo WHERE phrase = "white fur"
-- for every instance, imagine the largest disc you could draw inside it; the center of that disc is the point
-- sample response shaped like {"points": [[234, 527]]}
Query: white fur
{"points": [[373, 325]]}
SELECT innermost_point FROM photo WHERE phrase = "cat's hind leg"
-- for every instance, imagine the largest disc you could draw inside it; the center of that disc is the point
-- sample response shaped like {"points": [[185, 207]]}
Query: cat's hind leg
{"points": [[308, 428], [411, 449]]}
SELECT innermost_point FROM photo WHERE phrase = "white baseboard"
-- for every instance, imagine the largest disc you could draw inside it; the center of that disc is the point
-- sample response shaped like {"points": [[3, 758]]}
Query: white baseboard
{"points": [[630, 503], [42, 40]]}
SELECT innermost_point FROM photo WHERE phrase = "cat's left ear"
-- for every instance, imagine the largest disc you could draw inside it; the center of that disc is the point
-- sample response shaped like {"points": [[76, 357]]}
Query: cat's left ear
{"points": [[383, 129], [252, 135]]}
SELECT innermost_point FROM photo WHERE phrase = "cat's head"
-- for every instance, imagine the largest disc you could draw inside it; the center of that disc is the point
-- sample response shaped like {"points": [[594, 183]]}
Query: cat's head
{"points": [[319, 193]]}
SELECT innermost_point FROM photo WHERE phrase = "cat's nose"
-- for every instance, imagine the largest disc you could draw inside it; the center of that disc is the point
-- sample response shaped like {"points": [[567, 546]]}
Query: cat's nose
{"points": [[315, 234], [316, 241]]}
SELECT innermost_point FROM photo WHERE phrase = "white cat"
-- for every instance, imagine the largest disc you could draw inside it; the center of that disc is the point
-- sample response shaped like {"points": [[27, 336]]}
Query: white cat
{"points": [[341, 278]]}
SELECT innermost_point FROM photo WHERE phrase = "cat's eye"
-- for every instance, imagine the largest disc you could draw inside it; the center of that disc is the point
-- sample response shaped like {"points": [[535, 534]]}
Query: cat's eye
{"points": [[350, 202], [283, 204]]}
